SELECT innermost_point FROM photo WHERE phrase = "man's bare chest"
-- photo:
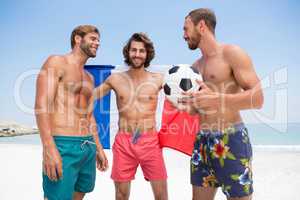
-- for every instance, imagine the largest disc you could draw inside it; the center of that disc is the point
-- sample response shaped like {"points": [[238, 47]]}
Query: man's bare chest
{"points": [[141, 92], [77, 83], [215, 71]]}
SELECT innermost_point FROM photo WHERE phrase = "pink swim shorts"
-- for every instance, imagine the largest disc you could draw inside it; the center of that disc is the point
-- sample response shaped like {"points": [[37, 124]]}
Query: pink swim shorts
{"points": [[129, 153]]}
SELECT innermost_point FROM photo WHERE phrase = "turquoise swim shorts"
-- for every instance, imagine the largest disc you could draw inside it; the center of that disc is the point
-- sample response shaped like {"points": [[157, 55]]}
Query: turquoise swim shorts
{"points": [[79, 168]]}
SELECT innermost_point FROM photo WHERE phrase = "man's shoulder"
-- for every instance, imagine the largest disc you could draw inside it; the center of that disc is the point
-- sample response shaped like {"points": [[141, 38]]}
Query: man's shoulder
{"points": [[235, 55], [230, 50], [55, 61], [115, 77], [56, 58], [197, 63], [156, 75]]}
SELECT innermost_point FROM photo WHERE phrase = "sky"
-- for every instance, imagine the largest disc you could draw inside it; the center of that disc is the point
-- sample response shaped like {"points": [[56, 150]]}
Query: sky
{"points": [[267, 30]]}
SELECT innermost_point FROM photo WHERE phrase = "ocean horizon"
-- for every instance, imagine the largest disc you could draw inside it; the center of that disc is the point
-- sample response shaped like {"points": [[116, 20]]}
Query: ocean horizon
{"points": [[279, 134], [263, 137]]}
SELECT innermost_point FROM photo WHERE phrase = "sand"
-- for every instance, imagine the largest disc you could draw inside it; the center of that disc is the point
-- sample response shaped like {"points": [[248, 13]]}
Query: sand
{"points": [[276, 175]]}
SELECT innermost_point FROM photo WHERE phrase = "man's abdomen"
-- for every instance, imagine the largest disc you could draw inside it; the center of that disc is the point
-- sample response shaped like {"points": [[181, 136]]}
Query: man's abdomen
{"points": [[71, 124], [219, 121]]}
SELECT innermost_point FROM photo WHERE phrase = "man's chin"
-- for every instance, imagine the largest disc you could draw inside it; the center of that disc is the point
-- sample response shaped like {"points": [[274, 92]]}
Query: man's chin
{"points": [[136, 66], [192, 47], [91, 55]]}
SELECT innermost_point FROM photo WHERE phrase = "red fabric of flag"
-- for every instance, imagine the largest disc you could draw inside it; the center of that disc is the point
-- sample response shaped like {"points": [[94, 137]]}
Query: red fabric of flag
{"points": [[178, 129]]}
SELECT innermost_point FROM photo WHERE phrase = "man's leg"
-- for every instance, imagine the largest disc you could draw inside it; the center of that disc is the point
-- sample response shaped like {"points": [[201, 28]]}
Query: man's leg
{"points": [[78, 196], [87, 175], [153, 165], [64, 187], [236, 173], [122, 190], [160, 189], [207, 193]]}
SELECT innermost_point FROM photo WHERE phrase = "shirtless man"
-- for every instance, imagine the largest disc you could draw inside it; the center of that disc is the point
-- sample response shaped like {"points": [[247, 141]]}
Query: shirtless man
{"points": [[222, 150], [71, 146], [136, 142]]}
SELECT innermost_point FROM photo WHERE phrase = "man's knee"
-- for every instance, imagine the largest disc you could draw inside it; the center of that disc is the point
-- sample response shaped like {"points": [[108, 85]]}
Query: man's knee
{"points": [[78, 196], [122, 195], [161, 196], [207, 193], [160, 190], [122, 190], [242, 198]]}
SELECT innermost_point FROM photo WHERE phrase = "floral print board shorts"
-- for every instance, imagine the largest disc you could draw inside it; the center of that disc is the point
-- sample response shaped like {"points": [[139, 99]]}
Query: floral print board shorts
{"points": [[223, 159]]}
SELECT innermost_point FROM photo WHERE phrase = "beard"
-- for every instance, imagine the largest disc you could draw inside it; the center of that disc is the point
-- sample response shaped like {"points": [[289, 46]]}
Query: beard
{"points": [[194, 41], [136, 65], [86, 48]]}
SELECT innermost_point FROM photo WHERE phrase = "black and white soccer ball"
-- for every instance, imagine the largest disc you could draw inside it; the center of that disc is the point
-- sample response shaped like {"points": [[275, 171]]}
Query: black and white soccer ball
{"points": [[178, 79]]}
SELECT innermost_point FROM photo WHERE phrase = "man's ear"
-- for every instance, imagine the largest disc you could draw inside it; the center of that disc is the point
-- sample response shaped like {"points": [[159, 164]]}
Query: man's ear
{"points": [[78, 39], [201, 26]]}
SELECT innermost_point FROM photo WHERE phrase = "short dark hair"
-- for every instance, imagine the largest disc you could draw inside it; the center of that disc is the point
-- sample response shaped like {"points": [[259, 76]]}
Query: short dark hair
{"points": [[205, 14], [139, 37], [82, 30]]}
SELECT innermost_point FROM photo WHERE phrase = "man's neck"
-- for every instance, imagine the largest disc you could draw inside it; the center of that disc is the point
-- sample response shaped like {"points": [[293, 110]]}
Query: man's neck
{"points": [[208, 46], [137, 72], [77, 57]]}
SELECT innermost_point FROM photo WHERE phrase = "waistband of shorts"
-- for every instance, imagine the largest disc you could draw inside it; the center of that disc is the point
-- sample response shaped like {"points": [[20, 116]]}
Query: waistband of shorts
{"points": [[73, 138], [144, 133], [231, 129]]}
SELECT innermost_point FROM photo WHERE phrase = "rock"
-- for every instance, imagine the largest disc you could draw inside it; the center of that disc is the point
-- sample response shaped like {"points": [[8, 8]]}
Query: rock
{"points": [[8, 129]]}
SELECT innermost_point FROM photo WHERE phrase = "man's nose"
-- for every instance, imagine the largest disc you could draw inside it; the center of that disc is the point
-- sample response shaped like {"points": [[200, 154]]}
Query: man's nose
{"points": [[184, 36], [137, 53]]}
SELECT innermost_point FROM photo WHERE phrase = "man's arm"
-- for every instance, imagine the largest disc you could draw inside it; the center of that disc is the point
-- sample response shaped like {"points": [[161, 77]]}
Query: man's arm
{"points": [[189, 108], [102, 163], [252, 96], [46, 88], [104, 88]]}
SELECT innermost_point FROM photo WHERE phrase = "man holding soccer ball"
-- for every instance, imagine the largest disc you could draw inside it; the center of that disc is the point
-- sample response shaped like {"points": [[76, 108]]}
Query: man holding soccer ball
{"points": [[222, 151]]}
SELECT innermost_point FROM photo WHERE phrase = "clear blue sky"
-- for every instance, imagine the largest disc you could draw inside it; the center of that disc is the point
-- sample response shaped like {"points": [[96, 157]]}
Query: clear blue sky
{"points": [[32, 30]]}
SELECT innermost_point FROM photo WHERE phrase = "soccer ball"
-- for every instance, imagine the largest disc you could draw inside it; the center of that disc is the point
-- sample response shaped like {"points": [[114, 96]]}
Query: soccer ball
{"points": [[178, 79]]}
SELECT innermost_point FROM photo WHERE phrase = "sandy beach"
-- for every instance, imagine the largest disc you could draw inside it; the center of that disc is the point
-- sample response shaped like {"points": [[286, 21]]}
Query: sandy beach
{"points": [[276, 175]]}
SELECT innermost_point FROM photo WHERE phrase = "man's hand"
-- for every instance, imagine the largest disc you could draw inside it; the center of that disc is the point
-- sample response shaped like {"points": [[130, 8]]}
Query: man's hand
{"points": [[102, 163], [52, 163], [204, 101]]}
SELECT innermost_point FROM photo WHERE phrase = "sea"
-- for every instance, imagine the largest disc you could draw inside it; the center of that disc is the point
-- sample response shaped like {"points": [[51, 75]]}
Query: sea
{"points": [[262, 136]]}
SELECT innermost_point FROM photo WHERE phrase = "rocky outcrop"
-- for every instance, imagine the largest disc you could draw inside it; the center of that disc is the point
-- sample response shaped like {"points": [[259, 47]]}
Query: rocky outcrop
{"points": [[8, 129]]}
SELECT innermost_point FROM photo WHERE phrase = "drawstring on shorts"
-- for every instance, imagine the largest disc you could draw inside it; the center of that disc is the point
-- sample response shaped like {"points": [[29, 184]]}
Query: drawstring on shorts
{"points": [[86, 142]]}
